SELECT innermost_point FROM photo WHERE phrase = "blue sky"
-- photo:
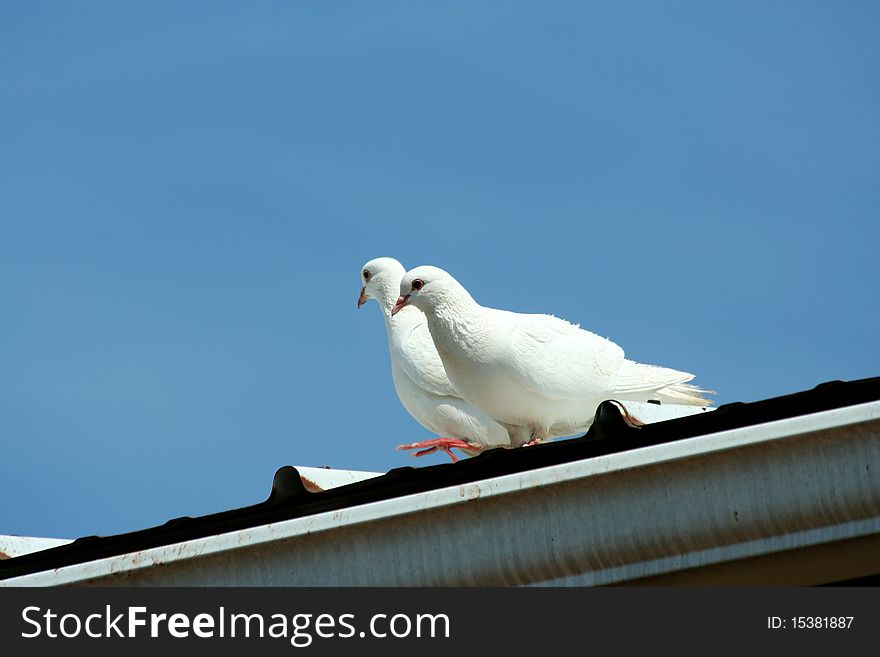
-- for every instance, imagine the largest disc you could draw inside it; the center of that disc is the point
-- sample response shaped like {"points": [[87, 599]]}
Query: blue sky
{"points": [[188, 192]]}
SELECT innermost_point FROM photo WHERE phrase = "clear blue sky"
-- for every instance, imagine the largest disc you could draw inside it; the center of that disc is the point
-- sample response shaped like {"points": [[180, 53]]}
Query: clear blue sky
{"points": [[188, 191]]}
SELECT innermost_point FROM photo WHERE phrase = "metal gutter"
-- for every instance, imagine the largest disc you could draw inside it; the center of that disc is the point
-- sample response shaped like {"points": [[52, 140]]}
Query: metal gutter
{"points": [[764, 489]]}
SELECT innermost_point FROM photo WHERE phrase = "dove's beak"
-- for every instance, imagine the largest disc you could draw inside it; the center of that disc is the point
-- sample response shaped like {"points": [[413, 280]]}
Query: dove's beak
{"points": [[363, 298], [401, 302]]}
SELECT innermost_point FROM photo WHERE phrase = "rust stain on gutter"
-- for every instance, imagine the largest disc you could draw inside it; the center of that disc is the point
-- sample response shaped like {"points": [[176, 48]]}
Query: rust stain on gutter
{"points": [[310, 485]]}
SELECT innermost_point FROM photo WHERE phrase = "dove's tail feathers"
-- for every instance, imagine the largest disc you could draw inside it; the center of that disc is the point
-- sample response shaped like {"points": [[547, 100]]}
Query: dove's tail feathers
{"points": [[685, 393], [640, 382]]}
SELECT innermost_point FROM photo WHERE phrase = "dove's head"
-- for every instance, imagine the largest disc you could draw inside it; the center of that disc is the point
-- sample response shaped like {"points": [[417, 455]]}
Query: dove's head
{"points": [[425, 288], [381, 280]]}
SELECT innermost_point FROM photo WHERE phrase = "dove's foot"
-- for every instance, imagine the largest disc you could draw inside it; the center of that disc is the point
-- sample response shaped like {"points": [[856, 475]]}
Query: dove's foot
{"points": [[445, 444], [534, 439]]}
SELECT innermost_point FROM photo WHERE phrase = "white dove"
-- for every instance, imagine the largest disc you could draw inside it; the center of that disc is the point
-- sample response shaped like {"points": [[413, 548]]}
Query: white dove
{"points": [[534, 371], [419, 377]]}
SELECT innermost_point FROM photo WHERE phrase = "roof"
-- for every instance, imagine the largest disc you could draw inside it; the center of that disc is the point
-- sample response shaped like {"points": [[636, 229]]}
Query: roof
{"points": [[658, 469], [16, 546]]}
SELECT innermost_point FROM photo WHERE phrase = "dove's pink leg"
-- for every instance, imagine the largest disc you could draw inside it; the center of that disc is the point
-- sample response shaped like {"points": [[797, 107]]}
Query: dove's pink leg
{"points": [[446, 444], [535, 438]]}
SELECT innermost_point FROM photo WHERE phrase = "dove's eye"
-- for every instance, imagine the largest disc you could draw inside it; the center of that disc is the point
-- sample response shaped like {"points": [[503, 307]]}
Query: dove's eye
{"points": [[367, 275], [418, 284]]}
